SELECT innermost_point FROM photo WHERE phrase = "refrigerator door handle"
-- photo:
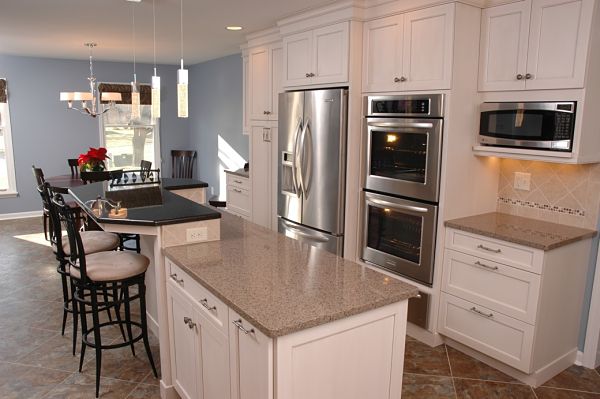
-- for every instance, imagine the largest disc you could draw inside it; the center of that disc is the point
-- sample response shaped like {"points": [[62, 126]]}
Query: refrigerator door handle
{"points": [[295, 158], [301, 158], [306, 165], [303, 234]]}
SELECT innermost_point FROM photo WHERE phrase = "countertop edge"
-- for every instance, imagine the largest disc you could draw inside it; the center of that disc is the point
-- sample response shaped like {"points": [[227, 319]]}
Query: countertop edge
{"points": [[245, 174], [454, 225], [275, 333]]}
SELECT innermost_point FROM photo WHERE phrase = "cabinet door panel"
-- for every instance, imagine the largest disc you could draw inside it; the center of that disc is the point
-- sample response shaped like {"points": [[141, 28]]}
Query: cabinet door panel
{"points": [[382, 57], [215, 361], [184, 352], [297, 60], [504, 33], [261, 175], [428, 48], [558, 43], [276, 81], [330, 54], [260, 85]]}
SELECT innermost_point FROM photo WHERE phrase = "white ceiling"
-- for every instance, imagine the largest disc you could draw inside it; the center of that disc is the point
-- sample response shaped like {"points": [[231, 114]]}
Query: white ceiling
{"points": [[58, 28]]}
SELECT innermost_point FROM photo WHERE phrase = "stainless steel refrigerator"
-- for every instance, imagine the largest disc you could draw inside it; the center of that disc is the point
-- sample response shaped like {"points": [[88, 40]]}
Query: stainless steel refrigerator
{"points": [[312, 167]]}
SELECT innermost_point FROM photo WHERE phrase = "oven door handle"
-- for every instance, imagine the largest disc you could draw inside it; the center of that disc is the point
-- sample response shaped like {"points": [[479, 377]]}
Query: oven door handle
{"points": [[411, 208], [418, 125]]}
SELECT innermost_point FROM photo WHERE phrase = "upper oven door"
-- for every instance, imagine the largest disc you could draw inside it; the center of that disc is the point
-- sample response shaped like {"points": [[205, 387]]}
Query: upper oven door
{"points": [[403, 156], [545, 125]]}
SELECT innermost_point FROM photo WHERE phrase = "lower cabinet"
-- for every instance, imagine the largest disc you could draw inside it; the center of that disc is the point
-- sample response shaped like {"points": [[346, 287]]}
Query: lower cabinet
{"points": [[263, 173]]}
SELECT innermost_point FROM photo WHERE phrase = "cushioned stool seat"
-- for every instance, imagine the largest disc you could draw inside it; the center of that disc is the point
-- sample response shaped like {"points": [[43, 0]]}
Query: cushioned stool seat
{"points": [[112, 266], [95, 241]]}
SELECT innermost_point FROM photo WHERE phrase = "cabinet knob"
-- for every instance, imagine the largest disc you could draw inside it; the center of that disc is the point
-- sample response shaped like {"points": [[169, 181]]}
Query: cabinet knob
{"points": [[189, 322], [402, 79], [519, 76], [528, 76], [396, 80], [308, 75]]}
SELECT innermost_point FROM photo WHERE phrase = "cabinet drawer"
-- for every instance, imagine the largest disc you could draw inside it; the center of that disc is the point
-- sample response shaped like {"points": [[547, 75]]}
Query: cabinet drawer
{"points": [[209, 305], [494, 334], [238, 200], [519, 256], [238, 181], [505, 289]]}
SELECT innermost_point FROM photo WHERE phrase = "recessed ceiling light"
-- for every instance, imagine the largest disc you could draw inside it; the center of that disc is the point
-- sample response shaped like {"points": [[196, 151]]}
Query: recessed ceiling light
{"points": [[234, 28]]}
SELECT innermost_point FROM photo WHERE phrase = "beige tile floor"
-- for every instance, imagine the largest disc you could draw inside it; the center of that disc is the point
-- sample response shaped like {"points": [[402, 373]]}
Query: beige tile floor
{"points": [[36, 361]]}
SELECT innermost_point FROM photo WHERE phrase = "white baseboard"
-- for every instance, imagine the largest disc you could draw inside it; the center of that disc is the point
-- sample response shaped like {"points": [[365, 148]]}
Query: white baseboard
{"points": [[425, 336], [167, 392], [579, 359], [20, 215]]}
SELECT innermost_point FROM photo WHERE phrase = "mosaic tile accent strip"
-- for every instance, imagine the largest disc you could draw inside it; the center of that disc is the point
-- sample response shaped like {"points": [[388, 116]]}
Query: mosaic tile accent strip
{"points": [[553, 208]]}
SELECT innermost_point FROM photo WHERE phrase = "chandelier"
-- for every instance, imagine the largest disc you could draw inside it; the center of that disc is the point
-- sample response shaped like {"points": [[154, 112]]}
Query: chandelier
{"points": [[92, 96]]}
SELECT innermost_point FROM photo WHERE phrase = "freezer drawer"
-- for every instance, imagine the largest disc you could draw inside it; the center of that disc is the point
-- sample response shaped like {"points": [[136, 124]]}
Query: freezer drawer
{"points": [[328, 242]]}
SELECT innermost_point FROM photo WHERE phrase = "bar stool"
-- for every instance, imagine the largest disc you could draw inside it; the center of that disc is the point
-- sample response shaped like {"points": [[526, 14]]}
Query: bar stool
{"points": [[93, 241], [90, 274]]}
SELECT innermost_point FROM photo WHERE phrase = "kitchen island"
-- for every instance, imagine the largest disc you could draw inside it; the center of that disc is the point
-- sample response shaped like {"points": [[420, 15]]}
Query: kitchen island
{"points": [[258, 315]]}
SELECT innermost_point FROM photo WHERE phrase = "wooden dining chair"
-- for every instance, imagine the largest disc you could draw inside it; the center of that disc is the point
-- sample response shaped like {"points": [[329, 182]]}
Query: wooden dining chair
{"points": [[74, 166], [182, 163], [145, 167], [38, 174]]}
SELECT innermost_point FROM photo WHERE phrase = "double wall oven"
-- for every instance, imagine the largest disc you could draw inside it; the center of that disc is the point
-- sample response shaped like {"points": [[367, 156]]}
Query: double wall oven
{"points": [[403, 137]]}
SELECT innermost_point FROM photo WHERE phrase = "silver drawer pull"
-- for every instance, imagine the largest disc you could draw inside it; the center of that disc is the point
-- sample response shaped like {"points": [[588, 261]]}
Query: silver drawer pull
{"points": [[237, 190], [238, 181], [238, 324], [174, 278], [496, 251], [479, 312], [483, 265], [189, 322], [204, 303]]}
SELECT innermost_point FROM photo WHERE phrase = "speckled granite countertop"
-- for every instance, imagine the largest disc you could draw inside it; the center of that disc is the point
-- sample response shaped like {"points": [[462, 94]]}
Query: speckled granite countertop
{"points": [[240, 172], [520, 230], [280, 285]]}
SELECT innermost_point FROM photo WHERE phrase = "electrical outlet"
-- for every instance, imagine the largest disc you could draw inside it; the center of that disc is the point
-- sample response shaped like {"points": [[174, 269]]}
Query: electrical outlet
{"points": [[522, 181], [196, 234]]}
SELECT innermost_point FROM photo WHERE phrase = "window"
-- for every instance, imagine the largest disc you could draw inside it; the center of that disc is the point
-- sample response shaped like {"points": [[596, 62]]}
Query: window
{"points": [[129, 141], [8, 185]]}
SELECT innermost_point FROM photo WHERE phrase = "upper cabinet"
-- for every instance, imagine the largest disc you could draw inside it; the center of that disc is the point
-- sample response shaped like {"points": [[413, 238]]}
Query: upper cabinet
{"points": [[318, 56], [531, 45], [264, 82], [411, 51]]}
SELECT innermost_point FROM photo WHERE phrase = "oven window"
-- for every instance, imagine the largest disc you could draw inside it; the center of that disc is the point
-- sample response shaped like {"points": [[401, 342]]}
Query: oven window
{"points": [[395, 233], [399, 156]]}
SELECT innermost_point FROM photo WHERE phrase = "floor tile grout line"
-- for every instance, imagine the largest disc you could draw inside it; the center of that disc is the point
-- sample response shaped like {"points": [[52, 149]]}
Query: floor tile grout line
{"points": [[451, 374], [569, 389], [47, 394], [533, 391], [492, 381]]}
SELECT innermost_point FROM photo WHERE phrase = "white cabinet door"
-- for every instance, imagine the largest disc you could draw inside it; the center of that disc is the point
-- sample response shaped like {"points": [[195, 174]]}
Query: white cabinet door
{"points": [[297, 59], [558, 43], [382, 54], [503, 53], [276, 64], [215, 373], [428, 48], [261, 173], [251, 359], [260, 83], [246, 96], [184, 350], [330, 54]]}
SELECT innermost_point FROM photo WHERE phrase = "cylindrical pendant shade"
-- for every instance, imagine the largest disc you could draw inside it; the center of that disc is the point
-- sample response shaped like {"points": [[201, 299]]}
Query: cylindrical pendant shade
{"points": [[155, 97], [135, 101], [182, 93]]}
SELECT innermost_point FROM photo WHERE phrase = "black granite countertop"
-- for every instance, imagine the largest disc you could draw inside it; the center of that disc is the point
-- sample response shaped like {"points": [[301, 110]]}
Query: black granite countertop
{"points": [[147, 205]]}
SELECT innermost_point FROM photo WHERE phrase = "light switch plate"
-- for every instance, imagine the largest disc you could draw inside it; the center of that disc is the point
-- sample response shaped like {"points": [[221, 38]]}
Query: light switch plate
{"points": [[522, 181], [196, 234]]}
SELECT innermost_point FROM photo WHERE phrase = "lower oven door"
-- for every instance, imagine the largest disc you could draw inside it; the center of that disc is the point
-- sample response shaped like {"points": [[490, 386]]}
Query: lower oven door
{"points": [[399, 235]]}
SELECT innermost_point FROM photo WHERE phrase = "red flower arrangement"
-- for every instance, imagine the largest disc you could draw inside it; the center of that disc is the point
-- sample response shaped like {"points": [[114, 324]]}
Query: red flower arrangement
{"points": [[93, 160]]}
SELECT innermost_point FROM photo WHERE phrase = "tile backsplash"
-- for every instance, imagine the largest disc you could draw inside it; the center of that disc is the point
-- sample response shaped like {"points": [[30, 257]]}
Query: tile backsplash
{"points": [[567, 194]]}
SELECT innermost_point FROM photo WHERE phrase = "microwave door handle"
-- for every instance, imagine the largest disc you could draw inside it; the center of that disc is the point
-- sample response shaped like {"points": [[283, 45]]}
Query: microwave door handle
{"points": [[295, 181], [410, 208], [418, 125]]}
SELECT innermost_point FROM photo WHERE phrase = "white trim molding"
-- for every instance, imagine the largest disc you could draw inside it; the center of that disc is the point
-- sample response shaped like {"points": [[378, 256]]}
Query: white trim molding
{"points": [[20, 215], [8, 149]]}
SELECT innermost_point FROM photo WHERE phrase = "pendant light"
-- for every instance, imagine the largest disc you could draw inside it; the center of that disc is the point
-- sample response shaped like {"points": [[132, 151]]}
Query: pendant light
{"points": [[155, 78], [135, 90], [182, 80]]}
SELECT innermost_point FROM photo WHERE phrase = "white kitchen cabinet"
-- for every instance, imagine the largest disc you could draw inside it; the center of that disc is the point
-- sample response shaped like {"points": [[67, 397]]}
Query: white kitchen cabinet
{"points": [[264, 81], [535, 44], [518, 305], [263, 173], [411, 51], [214, 356], [251, 359], [318, 56], [239, 196]]}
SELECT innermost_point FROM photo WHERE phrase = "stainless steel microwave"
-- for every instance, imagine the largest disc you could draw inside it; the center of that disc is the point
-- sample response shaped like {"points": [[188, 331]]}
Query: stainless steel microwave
{"points": [[535, 125]]}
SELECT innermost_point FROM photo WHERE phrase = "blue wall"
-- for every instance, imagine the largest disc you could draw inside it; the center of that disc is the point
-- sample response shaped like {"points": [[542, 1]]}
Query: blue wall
{"points": [[46, 134], [216, 110]]}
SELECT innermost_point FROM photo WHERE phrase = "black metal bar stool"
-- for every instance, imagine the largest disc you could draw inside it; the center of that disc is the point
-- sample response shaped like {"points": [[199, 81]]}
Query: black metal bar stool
{"points": [[90, 274], [93, 241]]}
